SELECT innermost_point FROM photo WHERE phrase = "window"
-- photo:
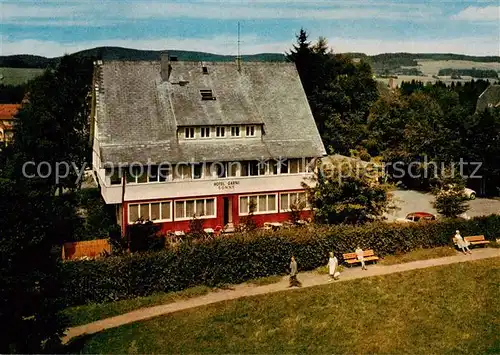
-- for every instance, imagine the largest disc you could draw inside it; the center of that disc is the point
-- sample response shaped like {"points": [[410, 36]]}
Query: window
{"points": [[273, 167], [115, 178], [262, 167], [219, 169], [250, 131], [189, 132], [182, 172], [296, 166], [205, 132], [293, 198], [153, 174], [143, 178], [205, 70], [164, 173], [233, 168], [204, 208], [263, 204], [309, 168], [197, 171], [284, 166], [254, 168], [207, 95], [130, 175], [220, 132], [136, 174], [155, 211], [235, 131]]}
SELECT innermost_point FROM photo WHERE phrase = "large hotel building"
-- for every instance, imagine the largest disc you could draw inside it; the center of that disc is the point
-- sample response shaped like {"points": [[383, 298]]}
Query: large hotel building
{"points": [[211, 139]]}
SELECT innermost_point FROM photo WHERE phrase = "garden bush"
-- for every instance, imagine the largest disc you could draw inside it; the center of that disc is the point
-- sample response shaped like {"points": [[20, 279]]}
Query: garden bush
{"points": [[247, 256]]}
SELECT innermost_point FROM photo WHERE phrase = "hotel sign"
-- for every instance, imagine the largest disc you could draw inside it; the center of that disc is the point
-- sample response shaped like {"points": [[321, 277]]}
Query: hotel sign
{"points": [[226, 185]]}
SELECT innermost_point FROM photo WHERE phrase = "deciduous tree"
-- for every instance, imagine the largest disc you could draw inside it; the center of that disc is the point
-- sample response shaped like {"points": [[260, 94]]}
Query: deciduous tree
{"points": [[348, 192]]}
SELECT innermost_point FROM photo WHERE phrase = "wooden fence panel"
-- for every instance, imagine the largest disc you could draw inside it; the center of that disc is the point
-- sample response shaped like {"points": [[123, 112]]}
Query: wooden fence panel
{"points": [[88, 248]]}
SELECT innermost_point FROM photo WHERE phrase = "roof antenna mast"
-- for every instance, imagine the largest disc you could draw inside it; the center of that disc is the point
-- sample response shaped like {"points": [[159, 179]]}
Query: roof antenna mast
{"points": [[238, 58]]}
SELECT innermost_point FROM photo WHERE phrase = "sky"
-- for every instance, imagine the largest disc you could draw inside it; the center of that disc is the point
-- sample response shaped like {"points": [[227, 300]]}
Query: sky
{"points": [[54, 27]]}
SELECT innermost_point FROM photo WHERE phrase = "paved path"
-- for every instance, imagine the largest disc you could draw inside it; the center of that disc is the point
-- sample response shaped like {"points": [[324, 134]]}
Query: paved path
{"points": [[308, 279]]}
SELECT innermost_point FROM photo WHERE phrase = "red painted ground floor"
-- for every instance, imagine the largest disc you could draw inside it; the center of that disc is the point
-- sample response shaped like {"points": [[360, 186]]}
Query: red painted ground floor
{"points": [[221, 210]]}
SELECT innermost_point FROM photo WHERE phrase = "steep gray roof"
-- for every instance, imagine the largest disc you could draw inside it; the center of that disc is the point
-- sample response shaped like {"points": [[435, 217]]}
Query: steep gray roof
{"points": [[139, 113], [490, 96]]}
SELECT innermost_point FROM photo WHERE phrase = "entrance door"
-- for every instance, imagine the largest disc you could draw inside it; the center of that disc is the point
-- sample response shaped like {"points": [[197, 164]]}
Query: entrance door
{"points": [[228, 210]]}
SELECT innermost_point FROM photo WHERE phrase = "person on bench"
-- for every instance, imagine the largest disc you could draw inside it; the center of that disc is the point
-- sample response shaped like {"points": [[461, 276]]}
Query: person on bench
{"points": [[361, 257], [461, 243]]}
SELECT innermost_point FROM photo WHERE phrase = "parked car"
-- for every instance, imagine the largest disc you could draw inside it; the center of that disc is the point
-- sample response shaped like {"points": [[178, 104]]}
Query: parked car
{"points": [[471, 194], [418, 217], [464, 216]]}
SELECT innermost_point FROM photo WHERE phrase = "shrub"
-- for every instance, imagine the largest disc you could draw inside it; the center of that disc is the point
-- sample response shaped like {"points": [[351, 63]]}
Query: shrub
{"points": [[97, 220], [251, 255], [451, 203], [296, 210], [143, 236], [248, 223]]}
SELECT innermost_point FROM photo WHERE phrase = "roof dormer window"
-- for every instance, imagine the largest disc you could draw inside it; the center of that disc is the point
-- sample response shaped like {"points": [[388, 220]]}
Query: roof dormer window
{"points": [[220, 131], [189, 132], [205, 132], [250, 131], [207, 94], [235, 131]]}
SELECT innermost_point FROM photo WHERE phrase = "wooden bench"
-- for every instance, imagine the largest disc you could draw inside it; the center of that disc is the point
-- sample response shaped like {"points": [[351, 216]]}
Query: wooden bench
{"points": [[477, 240], [352, 258]]}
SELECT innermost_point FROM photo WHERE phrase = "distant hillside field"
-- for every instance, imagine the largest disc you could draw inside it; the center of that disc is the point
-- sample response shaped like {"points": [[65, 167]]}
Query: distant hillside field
{"points": [[432, 67], [418, 66], [18, 76]]}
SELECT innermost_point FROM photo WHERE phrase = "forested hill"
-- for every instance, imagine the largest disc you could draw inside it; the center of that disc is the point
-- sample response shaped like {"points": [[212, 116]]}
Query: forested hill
{"points": [[118, 53], [114, 53]]}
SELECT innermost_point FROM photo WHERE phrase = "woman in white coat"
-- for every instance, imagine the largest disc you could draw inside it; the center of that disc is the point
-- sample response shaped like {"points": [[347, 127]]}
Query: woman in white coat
{"points": [[461, 243], [332, 267]]}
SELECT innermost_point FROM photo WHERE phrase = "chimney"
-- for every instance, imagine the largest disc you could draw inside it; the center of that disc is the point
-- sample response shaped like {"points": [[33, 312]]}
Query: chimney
{"points": [[166, 68]]}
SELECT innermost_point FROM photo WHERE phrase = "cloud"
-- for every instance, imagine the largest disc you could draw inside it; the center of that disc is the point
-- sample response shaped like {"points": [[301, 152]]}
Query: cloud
{"points": [[78, 12], [16, 11], [472, 13], [465, 45], [231, 11], [253, 44]]}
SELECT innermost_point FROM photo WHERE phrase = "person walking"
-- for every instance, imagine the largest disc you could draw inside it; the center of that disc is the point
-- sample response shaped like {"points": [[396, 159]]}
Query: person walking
{"points": [[332, 267], [461, 243], [361, 257], [293, 273]]}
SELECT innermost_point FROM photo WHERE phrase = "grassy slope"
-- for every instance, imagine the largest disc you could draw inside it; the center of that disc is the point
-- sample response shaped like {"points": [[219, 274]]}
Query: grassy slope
{"points": [[92, 312], [17, 76], [419, 254], [445, 310], [95, 311]]}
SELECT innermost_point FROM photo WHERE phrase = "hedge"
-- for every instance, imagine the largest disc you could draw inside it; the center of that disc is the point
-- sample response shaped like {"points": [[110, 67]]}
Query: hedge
{"points": [[242, 257]]}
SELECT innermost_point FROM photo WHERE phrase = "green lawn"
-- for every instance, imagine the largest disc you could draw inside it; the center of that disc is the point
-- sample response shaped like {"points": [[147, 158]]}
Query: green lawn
{"points": [[418, 254], [91, 312], [451, 309], [95, 311], [17, 76]]}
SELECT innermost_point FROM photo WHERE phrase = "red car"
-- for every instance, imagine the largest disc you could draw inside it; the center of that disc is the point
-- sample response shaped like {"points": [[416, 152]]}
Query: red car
{"points": [[420, 216]]}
